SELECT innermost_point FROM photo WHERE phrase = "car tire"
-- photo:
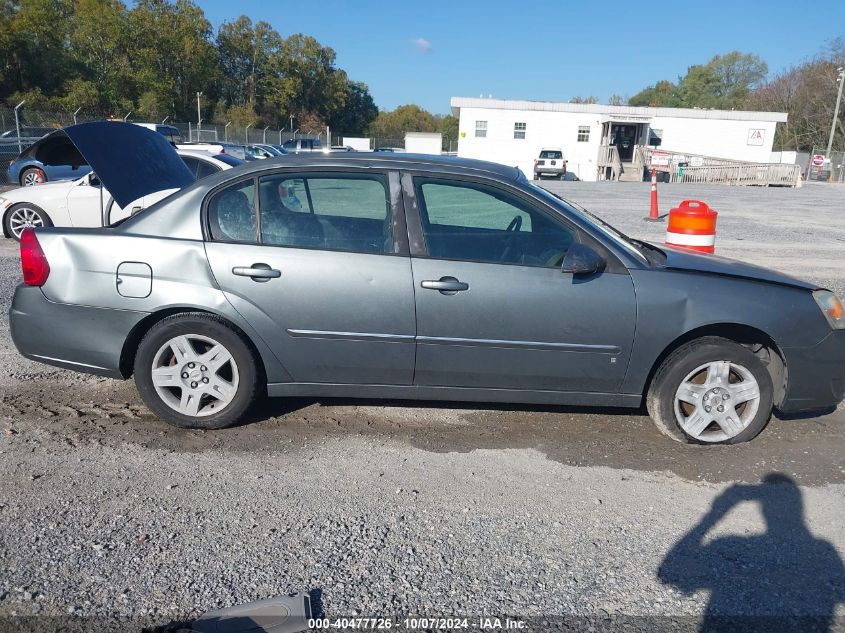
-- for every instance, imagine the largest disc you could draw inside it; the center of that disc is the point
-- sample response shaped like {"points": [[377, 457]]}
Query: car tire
{"points": [[215, 377], [32, 176], [22, 215], [711, 391]]}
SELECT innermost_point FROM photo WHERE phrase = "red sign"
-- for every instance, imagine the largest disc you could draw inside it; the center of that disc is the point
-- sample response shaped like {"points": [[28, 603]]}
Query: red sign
{"points": [[818, 160]]}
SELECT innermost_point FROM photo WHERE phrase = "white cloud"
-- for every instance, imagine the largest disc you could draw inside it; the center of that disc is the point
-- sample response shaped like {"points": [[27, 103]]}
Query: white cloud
{"points": [[422, 45]]}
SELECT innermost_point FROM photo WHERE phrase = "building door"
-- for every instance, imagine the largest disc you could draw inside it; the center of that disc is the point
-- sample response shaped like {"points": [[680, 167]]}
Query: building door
{"points": [[624, 137]]}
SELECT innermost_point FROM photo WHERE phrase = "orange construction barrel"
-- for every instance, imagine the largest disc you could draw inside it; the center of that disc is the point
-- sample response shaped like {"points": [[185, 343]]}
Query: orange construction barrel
{"points": [[692, 224]]}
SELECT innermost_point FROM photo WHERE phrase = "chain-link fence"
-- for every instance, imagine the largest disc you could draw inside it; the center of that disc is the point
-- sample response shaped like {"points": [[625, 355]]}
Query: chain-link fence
{"points": [[822, 167], [19, 130]]}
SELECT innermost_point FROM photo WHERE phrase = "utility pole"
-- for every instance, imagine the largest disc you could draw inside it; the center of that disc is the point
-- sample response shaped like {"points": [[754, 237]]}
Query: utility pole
{"points": [[75, 113], [264, 138], [226, 131], [18, 125], [199, 116], [246, 132], [291, 122], [840, 79]]}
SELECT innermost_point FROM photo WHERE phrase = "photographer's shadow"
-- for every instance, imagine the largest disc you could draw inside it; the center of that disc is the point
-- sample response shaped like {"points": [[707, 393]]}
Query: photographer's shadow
{"points": [[783, 580]]}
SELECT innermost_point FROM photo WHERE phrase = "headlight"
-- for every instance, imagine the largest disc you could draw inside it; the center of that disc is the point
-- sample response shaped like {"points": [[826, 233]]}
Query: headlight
{"points": [[832, 308]]}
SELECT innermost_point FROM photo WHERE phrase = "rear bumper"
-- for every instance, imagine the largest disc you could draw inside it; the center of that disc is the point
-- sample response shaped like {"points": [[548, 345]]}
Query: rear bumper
{"points": [[81, 338], [816, 375]]}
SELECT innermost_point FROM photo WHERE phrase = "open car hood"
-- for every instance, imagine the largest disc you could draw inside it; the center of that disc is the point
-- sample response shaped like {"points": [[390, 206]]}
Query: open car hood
{"points": [[130, 161]]}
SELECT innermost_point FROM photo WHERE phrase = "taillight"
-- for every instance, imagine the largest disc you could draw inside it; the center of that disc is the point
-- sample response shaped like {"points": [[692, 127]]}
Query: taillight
{"points": [[33, 262]]}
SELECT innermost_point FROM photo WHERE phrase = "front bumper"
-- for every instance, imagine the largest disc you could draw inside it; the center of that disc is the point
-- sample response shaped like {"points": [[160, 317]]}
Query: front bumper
{"points": [[816, 375], [81, 338]]}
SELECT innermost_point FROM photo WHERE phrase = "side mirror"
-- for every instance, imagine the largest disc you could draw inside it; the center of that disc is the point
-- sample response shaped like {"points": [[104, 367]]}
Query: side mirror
{"points": [[93, 180], [580, 259]]}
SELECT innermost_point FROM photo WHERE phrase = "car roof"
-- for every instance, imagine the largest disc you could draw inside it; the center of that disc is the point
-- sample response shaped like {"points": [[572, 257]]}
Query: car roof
{"points": [[363, 160]]}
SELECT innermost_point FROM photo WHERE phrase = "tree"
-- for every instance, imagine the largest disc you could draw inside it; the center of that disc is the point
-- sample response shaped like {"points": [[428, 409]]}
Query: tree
{"points": [[590, 99], [358, 112], [724, 82], [406, 118], [245, 51], [304, 81], [663, 94]]}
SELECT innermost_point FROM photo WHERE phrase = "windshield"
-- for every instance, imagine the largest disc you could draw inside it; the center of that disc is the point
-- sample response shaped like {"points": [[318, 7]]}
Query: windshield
{"points": [[636, 247]]}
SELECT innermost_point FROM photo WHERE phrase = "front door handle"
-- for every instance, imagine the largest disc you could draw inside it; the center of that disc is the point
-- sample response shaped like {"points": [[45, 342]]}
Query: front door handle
{"points": [[446, 285], [258, 272]]}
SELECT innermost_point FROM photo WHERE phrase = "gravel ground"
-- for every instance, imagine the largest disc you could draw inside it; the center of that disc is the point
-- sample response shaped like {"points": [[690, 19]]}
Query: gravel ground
{"points": [[384, 508]]}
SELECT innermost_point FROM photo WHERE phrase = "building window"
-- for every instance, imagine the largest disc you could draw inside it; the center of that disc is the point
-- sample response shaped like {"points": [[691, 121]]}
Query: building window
{"points": [[583, 133], [481, 129], [519, 130], [655, 137]]}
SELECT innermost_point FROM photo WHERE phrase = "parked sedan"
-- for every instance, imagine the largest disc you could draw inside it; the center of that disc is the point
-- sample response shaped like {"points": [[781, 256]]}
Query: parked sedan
{"points": [[78, 202], [445, 279]]}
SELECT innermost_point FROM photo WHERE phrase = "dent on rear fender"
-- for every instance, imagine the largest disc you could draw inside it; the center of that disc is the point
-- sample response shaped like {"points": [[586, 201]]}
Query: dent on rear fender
{"points": [[83, 270]]}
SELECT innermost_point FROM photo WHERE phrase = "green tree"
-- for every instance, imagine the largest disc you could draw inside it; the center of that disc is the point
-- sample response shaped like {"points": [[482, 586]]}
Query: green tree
{"points": [[173, 56], [245, 51], [663, 94], [304, 81], [406, 118], [358, 112], [723, 82]]}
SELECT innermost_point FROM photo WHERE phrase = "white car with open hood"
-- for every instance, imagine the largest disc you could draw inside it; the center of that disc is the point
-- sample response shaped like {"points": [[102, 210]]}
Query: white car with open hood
{"points": [[84, 202]]}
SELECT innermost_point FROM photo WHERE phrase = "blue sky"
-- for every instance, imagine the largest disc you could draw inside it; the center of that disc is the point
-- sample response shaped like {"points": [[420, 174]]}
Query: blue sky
{"points": [[424, 52]]}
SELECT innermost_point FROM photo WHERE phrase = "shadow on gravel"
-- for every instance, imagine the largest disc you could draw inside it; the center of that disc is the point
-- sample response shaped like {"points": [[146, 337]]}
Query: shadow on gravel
{"points": [[785, 579]]}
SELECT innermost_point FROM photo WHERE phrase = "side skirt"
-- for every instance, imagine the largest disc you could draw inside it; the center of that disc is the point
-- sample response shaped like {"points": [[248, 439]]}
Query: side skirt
{"points": [[454, 394]]}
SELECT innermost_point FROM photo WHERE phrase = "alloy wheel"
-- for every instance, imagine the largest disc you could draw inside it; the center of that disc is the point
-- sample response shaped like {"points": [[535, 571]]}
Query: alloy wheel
{"points": [[33, 177], [717, 401], [195, 375], [24, 218]]}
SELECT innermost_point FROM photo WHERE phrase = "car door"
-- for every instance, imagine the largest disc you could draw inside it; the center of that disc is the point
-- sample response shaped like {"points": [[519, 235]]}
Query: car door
{"points": [[83, 202], [318, 263], [494, 309]]}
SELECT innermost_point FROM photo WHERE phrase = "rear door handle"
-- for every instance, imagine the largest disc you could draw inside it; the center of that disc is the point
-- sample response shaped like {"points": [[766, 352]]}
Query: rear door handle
{"points": [[446, 285], [258, 272]]}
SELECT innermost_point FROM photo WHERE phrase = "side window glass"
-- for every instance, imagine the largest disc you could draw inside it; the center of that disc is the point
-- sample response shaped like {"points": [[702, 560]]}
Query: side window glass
{"points": [[231, 213], [191, 163], [205, 169], [478, 223], [333, 212]]}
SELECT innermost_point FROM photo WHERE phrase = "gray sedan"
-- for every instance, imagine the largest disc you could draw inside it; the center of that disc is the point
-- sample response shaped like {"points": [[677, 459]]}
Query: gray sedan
{"points": [[401, 276]]}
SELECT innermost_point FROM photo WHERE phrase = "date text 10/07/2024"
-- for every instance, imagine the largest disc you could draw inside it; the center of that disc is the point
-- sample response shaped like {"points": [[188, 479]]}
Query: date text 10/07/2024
{"points": [[418, 623]]}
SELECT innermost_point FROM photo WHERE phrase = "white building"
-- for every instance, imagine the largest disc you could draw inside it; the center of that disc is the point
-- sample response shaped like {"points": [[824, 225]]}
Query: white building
{"points": [[513, 132], [424, 142]]}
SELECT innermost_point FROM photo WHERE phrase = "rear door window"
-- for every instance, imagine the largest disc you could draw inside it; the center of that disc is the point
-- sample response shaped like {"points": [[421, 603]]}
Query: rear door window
{"points": [[347, 212], [551, 154]]}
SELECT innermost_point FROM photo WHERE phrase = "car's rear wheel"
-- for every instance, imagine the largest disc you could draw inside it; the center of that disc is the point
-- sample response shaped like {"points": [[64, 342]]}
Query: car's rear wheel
{"points": [[711, 391], [32, 176], [22, 216], [194, 371]]}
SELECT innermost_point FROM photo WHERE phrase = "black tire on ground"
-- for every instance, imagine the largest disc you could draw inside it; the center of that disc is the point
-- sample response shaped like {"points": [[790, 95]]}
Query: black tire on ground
{"points": [[660, 400], [32, 171], [250, 384], [7, 218]]}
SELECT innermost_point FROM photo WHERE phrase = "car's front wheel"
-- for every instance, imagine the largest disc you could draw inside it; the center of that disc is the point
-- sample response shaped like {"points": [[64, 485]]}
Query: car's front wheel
{"points": [[711, 391], [22, 216], [194, 371]]}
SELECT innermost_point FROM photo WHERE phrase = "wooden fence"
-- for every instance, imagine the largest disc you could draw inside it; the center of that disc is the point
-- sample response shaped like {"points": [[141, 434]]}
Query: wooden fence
{"points": [[760, 174]]}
